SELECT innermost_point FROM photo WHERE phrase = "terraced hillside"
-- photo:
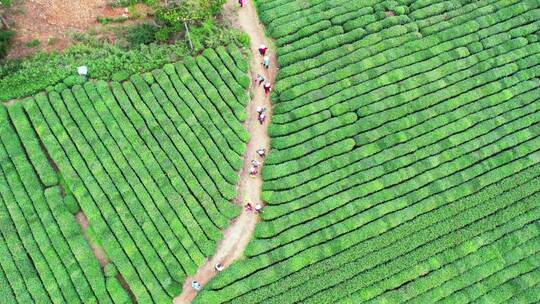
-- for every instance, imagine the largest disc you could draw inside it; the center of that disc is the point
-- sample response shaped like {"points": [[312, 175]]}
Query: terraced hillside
{"points": [[43, 255], [405, 156], [152, 163]]}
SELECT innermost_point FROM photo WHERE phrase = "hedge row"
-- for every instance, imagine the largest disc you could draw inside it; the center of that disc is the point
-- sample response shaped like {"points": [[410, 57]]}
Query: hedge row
{"points": [[237, 80], [409, 84], [292, 23], [336, 216], [276, 9], [492, 222], [190, 128], [358, 235], [142, 184], [101, 215], [356, 48], [134, 169], [440, 115], [472, 120], [346, 214], [89, 265], [317, 11], [341, 19], [489, 275], [447, 279], [316, 49], [222, 180], [375, 194], [381, 236], [216, 108], [315, 130], [470, 11], [309, 41], [188, 209], [433, 231], [50, 242], [415, 254], [287, 20], [498, 29], [32, 146], [474, 7], [67, 259], [276, 130], [435, 9], [284, 168], [137, 158], [339, 79], [305, 32], [121, 186], [215, 84]]}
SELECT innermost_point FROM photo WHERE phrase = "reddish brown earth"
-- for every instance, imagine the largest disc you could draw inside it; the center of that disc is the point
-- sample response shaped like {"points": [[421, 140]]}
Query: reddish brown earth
{"points": [[53, 22], [98, 251]]}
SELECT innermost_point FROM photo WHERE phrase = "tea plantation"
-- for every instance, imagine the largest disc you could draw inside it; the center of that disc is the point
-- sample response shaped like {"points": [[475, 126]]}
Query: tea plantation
{"points": [[152, 162], [43, 254], [405, 156], [404, 166]]}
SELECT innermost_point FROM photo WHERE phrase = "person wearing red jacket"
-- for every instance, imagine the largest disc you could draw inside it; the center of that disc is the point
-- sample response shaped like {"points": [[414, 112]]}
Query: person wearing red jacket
{"points": [[263, 49], [267, 87]]}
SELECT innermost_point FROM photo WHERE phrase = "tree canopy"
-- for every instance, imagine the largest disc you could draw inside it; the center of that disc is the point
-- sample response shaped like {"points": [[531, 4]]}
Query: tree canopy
{"points": [[189, 10]]}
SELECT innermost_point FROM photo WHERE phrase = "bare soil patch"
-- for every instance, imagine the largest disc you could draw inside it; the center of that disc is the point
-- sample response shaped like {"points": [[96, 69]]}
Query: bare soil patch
{"points": [[53, 22], [98, 251]]}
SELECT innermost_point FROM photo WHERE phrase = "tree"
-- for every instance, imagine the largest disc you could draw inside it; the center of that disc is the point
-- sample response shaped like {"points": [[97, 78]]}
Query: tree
{"points": [[175, 14]]}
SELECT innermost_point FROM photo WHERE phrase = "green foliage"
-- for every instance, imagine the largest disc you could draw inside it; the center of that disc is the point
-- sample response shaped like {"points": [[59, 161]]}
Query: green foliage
{"points": [[126, 3], [110, 270], [33, 43], [189, 11], [71, 204], [46, 173], [59, 87], [107, 20], [20, 78], [144, 33], [404, 156], [152, 162], [120, 76], [174, 17], [74, 80], [5, 40], [45, 245]]}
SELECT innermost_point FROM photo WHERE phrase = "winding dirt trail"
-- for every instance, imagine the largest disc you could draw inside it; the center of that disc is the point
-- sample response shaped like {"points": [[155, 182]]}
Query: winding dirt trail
{"points": [[238, 234]]}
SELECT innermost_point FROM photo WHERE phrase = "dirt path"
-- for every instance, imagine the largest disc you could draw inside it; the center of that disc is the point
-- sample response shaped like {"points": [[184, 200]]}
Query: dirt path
{"points": [[100, 255], [238, 234], [98, 251]]}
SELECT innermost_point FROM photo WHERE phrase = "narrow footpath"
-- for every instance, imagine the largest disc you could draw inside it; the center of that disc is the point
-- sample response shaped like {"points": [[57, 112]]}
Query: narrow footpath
{"points": [[238, 234]]}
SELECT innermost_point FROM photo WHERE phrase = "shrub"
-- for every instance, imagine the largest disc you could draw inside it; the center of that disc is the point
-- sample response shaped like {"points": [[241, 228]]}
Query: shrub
{"points": [[74, 80], [5, 40], [110, 270], [33, 43], [141, 34], [120, 76]]}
